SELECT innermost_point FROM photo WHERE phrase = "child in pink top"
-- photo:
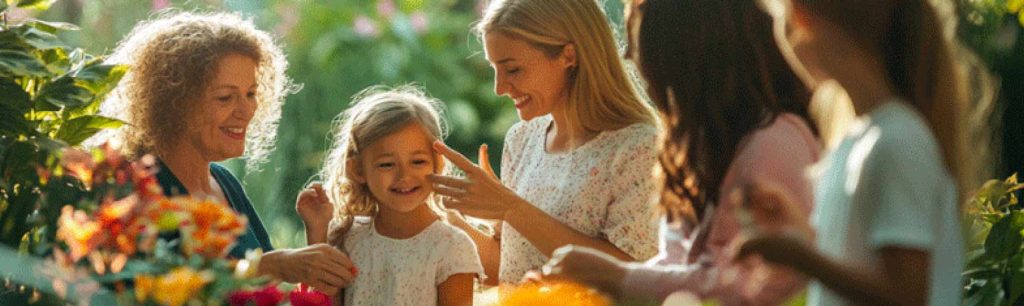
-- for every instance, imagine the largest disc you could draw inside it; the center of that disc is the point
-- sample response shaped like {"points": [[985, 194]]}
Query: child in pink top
{"points": [[735, 114]]}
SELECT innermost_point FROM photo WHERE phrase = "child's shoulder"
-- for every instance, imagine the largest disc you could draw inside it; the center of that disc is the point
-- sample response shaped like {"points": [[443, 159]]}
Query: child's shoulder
{"points": [[443, 232]]}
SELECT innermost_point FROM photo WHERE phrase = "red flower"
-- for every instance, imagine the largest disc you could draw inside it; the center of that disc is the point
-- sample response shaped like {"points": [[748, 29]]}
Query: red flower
{"points": [[303, 296], [268, 296]]}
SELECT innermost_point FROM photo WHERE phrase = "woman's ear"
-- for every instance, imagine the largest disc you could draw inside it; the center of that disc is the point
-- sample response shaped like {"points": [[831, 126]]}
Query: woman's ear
{"points": [[354, 170], [568, 56]]}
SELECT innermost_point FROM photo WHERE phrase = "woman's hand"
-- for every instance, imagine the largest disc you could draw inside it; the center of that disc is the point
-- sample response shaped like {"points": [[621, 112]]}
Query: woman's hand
{"points": [[315, 209], [480, 194], [321, 266], [587, 266]]}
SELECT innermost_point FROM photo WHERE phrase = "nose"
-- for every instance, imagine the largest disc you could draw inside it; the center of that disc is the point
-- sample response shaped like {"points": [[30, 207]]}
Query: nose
{"points": [[501, 86], [245, 109]]}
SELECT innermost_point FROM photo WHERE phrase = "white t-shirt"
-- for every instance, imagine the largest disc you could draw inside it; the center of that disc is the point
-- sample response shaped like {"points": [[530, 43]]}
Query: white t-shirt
{"points": [[406, 271], [604, 188], [886, 185]]}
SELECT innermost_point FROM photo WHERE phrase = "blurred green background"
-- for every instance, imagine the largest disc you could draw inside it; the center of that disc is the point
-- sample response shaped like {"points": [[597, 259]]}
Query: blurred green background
{"points": [[339, 47]]}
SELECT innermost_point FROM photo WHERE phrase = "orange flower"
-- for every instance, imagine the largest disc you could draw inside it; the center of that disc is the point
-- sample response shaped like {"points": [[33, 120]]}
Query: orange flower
{"points": [[213, 229], [78, 232], [143, 287], [563, 293]]}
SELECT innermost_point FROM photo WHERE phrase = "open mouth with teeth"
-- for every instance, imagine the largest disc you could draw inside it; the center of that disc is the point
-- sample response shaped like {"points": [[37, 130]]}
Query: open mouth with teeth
{"points": [[234, 133], [405, 191], [521, 102]]}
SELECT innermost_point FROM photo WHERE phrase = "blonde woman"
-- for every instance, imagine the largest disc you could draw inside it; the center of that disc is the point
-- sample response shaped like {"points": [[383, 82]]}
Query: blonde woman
{"points": [[203, 88], [578, 168]]}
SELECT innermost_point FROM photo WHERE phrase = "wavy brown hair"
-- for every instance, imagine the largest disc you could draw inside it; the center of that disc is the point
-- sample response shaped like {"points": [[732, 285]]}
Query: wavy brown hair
{"points": [[172, 59], [716, 75]]}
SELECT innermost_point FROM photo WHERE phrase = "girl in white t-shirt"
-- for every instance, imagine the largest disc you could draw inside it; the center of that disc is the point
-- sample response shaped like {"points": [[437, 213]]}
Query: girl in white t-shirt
{"points": [[387, 217], [887, 213]]}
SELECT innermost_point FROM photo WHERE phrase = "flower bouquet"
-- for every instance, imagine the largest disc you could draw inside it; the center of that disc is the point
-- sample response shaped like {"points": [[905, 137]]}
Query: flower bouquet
{"points": [[148, 249]]}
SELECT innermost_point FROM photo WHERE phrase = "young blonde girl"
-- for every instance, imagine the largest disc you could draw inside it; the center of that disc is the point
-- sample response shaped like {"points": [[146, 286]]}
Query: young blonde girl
{"points": [[386, 217]]}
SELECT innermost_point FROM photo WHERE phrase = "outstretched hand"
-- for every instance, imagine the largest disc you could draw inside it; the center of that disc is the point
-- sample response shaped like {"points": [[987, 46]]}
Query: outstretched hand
{"points": [[480, 194]]}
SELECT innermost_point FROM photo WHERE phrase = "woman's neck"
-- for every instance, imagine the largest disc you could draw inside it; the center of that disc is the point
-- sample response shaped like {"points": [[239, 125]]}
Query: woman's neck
{"points": [[191, 169], [398, 225], [565, 135]]}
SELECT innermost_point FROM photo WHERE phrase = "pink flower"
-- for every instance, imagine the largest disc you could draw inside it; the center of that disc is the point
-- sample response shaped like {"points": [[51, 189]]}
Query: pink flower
{"points": [[365, 27], [386, 8], [161, 4], [419, 21]]}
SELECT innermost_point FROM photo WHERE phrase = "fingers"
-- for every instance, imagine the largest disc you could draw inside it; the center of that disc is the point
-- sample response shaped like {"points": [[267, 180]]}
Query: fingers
{"points": [[448, 181], [336, 256], [452, 193], [322, 287], [455, 157], [485, 161]]}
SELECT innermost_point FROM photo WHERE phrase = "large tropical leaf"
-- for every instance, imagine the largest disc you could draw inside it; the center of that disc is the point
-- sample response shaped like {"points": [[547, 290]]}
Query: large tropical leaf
{"points": [[19, 63], [76, 130], [63, 92]]}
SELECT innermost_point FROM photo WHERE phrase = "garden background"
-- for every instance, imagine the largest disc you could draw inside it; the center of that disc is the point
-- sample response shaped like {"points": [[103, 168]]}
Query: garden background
{"points": [[339, 47]]}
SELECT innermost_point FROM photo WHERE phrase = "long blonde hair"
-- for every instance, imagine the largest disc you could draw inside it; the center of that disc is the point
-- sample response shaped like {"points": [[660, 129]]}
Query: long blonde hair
{"points": [[172, 59], [602, 96], [377, 113]]}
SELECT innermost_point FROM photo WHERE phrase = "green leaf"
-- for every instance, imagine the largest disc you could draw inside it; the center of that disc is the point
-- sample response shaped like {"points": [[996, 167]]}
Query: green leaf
{"points": [[990, 294], [3, 6], [63, 92], [51, 26], [41, 5], [13, 122], [39, 39], [14, 96], [19, 63], [76, 130], [1005, 238], [1016, 285], [100, 78]]}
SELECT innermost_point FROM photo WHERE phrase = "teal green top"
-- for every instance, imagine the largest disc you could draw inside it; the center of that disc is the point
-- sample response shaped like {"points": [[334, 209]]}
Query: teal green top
{"points": [[255, 236]]}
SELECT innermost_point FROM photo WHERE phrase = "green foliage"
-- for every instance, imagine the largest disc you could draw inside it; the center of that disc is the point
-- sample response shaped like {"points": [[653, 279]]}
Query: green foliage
{"points": [[50, 95], [995, 269]]}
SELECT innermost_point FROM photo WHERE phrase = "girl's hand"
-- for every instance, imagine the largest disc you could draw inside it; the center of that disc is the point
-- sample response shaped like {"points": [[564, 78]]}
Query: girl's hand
{"points": [[776, 228], [587, 266], [480, 194], [313, 206]]}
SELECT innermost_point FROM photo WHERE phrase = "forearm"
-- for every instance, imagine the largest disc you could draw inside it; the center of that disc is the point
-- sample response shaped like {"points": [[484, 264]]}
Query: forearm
{"points": [[489, 250], [315, 234], [861, 286], [648, 284], [548, 234]]}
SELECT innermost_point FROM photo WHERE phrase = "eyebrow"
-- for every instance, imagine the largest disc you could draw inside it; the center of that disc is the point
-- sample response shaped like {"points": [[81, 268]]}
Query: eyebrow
{"points": [[504, 61], [231, 86], [417, 152]]}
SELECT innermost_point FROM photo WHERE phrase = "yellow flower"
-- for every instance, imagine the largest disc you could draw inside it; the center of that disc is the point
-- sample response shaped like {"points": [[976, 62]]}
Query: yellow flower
{"points": [[179, 285], [1015, 7], [143, 287]]}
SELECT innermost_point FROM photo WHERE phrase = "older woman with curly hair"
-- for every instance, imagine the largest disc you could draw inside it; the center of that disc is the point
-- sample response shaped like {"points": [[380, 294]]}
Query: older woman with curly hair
{"points": [[203, 88]]}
